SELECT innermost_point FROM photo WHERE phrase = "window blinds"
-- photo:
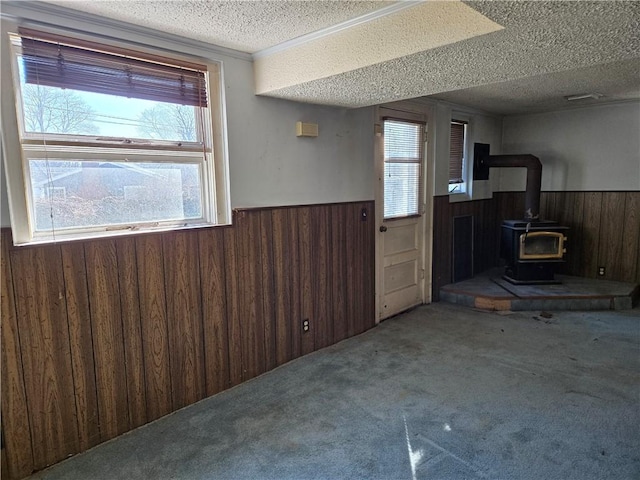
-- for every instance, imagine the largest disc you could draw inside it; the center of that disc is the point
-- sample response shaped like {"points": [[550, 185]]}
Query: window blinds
{"points": [[402, 167], [456, 152], [57, 61]]}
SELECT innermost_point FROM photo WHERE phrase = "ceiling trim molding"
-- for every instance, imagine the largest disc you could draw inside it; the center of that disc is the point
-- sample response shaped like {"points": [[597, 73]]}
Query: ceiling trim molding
{"points": [[325, 32], [40, 13]]}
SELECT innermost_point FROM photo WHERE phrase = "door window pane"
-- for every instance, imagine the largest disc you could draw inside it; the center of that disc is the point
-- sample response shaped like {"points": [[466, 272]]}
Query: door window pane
{"points": [[402, 168]]}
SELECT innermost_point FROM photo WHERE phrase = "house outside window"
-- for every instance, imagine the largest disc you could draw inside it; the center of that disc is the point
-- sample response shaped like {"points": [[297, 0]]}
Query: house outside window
{"points": [[111, 140], [458, 157]]}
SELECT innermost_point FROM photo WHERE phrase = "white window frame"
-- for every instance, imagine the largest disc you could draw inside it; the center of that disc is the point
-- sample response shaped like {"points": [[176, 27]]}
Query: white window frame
{"points": [[463, 187], [214, 171]]}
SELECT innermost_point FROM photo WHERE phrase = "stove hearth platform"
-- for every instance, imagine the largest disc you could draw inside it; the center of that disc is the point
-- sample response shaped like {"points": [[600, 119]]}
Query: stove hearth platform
{"points": [[489, 291]]}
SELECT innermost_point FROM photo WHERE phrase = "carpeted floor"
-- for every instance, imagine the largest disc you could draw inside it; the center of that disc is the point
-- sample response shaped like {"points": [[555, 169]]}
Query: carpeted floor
{"points": [[441, 392]]}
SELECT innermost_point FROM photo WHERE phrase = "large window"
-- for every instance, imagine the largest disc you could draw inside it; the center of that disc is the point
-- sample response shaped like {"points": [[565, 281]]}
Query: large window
{"points": [[111, 139], [403, 147], [457, 159]]}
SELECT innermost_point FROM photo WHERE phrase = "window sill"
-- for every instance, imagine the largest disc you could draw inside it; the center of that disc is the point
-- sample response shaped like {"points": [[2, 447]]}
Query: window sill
{"points": [[391, 219], [459, 197], [110, 234]]}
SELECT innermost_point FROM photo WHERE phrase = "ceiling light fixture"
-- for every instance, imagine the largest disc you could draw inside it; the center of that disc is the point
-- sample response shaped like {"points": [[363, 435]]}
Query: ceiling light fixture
{"points": [[583, 96]]}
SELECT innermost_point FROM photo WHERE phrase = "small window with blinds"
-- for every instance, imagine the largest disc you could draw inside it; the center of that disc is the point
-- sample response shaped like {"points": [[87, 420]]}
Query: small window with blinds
{"points": [[126, 135], [457, 157], [403, 152]]}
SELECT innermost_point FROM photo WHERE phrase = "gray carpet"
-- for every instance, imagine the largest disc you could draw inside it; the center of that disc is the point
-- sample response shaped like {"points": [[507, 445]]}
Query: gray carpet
{"points": [[441, 392]]}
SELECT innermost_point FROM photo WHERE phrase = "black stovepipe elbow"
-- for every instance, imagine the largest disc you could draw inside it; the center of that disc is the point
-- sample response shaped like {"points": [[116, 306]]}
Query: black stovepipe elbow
{"points": [[534, 179]]}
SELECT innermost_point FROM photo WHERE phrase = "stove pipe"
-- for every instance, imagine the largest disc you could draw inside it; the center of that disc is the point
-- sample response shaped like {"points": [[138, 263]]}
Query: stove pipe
{"points": [[484, 161], [534, 179]]}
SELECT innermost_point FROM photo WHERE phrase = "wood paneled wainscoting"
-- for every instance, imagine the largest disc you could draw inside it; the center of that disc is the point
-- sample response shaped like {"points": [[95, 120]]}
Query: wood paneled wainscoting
{"points": [[102, 336], [604, 231]]}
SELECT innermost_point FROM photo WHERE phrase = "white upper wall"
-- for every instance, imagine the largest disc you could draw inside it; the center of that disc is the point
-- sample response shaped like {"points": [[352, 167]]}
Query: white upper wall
{"points": [[582, 149], [270, 166]]}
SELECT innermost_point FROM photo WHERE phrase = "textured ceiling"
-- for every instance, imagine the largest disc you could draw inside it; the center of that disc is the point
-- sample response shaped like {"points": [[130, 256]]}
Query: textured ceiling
{"points": [[248, 26], [617, 81], [423, 26], [539, 38], [547, 49]]}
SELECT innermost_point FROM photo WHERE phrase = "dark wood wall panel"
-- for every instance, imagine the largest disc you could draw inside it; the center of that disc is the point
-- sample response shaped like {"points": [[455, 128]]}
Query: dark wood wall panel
{"points": [[282, 277], [233, 310], [441, 255], [38, 280], [604, 230], [611, 233], [17, 455], [184, 317], [630, 268], [108, 340], [321, 321], [590, 236], [364, 238], [294, 285], [303, 342], [359, 237], [99, 337], [368, 258], [250, 293], [80, 338], [214, 309], [132, 331], [338, 278], [268, 297], [350, 274], [598, 227], [570, 213], [153, 318]]}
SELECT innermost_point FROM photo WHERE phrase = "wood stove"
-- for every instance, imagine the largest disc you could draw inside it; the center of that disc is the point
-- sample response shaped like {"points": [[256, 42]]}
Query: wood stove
{"points": [[533, 251]]}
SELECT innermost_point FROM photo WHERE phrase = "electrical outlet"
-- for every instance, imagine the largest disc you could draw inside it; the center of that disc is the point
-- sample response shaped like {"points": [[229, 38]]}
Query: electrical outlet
{"points": [[305, 325], [601, 271]]}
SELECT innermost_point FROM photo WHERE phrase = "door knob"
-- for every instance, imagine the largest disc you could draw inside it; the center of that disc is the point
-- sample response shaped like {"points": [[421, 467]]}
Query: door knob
{"points": [[383, 228]]}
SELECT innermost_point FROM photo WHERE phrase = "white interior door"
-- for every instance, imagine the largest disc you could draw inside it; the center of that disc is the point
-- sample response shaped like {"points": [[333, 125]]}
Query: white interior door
{"points": [[400, 165]]}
